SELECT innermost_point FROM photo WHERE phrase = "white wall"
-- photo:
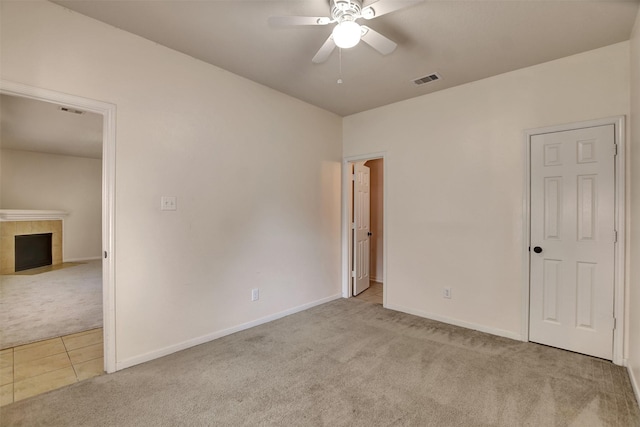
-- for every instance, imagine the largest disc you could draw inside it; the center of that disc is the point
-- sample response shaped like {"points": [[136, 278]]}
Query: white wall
{"points": [[47, 181], [256, 174], [455, 174], [634, 241]]}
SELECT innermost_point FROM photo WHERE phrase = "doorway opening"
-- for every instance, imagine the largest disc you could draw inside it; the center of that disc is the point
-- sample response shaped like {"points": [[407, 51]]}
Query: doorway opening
{"points": [[364, 229], [106, 183], [573, 252]]}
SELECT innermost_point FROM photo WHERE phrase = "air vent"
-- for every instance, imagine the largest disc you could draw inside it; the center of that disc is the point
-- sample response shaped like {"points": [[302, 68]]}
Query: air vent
{"points": [[427, 79], [70, 110]]}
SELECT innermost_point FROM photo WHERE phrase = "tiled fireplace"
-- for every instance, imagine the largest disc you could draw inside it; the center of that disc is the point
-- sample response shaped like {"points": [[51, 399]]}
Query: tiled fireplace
{"points": [[20, 223]]}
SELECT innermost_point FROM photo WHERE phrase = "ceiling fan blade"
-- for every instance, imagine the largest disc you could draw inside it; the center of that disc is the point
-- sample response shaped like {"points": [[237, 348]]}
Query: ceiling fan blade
{"points": [[285, 21], [325, 51], [382, 7], [378, 41]]}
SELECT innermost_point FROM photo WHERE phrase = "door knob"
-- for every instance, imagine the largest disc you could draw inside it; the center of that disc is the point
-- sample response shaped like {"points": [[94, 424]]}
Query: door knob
{"points": [[537, 249]]}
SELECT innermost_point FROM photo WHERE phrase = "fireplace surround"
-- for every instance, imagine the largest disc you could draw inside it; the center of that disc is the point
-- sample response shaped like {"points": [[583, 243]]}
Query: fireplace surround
{"points": [[20, 223]]}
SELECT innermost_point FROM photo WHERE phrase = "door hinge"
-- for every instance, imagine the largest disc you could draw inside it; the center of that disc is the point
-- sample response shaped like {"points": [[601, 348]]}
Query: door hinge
{"points": [[105, 254], [353, 274], [353, 177], [615, 323], [615, 150], [615, 236], [353, 225]]}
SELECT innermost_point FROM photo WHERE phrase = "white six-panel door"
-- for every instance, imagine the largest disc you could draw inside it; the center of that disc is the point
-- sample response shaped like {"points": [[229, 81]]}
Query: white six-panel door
{"points": [[572, 240], [362, 226]]}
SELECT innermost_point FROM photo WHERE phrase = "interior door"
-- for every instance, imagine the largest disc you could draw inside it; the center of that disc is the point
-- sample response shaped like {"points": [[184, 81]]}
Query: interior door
{"points": [[572, 240], [362, 226]]}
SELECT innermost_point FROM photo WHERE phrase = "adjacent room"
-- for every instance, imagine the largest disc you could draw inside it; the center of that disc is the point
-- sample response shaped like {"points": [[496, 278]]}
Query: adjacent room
{"points": [[324, 212], [50, 210]]}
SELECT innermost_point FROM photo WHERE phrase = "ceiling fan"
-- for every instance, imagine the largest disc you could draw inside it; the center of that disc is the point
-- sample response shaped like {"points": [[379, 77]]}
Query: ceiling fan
{"points": [[348, 33]]}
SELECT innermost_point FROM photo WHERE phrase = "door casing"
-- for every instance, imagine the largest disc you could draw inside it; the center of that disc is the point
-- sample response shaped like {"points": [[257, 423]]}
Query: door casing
{"points": [[108, 112], [361, 217], [346, 222], [619, 247]]}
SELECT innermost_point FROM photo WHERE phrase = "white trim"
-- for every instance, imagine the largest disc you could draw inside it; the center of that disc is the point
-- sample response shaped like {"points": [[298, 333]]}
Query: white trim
{"points": [[108, 236], [457, 322], [132, 361], [634, 382], [619, 247], [31, 215], [526, 237], [108, 111], [346, 223]]}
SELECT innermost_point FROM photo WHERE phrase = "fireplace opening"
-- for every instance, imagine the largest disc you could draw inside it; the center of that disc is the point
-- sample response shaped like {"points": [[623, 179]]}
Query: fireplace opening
{"points": [[33, 250]]}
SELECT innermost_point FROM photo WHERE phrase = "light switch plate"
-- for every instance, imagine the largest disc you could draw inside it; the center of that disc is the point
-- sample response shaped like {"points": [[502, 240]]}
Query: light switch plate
{"points": [[168, 203]]}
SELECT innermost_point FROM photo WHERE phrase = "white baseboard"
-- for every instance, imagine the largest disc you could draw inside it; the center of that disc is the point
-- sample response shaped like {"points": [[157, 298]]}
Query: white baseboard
{"points": [[634, 382], [94, 258], [132, 361], [457, 322]]}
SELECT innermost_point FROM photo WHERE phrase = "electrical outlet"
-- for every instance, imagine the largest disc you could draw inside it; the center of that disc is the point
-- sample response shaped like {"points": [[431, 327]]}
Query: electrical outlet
{"points": [[168, 203], [255, 294], [446, 293]]}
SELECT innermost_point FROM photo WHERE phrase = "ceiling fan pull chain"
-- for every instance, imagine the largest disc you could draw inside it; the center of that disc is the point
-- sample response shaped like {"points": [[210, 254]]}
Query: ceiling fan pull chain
{"points": [[340, 66]]}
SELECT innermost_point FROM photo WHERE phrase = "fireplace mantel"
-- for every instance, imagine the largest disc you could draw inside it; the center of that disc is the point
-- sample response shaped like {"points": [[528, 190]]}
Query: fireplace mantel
{"points": [[31, 215]]}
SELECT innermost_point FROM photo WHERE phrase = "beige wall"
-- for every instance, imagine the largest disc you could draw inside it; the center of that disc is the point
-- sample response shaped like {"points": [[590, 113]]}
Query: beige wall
{"points": [[53, 182], [455, 174], [376, 168], [256, 174], [634, 253]]}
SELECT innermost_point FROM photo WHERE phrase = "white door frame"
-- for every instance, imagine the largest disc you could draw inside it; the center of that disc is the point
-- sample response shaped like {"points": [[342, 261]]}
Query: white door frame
{"points": [[346, 182], [619, 247], [108, 112]]}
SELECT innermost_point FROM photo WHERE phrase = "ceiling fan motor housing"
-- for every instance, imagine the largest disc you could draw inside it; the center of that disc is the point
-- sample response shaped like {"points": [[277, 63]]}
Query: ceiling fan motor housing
{"points": [[345, 10]]}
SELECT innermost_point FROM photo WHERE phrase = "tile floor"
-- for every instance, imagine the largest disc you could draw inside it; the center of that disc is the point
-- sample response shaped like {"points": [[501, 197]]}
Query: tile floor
{"points": [[36, 368], [373, 294]]}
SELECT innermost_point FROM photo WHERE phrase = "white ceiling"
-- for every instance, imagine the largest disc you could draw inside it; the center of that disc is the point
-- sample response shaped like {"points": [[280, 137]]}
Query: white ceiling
{"points": [[464, 41], [30, 125]]}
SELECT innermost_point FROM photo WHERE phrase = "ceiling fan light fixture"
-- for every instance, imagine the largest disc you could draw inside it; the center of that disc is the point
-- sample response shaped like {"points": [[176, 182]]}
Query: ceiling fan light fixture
{"points": [[347, 34]]}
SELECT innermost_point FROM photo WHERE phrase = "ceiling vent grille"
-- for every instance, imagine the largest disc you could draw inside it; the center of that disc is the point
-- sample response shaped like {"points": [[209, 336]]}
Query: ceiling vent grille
{"points": [[427, 79], [70, 110]]}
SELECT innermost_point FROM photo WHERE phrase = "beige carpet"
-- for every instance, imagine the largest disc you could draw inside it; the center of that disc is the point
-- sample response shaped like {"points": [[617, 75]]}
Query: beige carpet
{"points": [[348, 363], [46, 269], [58, 302]]}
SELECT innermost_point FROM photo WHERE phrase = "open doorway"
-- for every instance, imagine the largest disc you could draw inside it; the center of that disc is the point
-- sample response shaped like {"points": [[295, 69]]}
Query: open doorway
{"points": [[365, 229], [51, 213], [51, 236], [102, 247]]}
